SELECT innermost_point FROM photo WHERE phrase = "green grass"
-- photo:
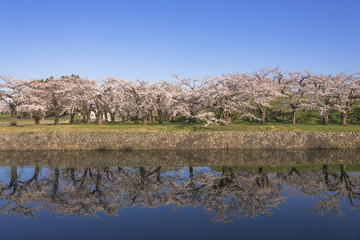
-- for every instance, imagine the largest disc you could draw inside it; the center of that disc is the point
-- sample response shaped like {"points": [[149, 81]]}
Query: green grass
{"points": [[6, 119], [176, 126]]}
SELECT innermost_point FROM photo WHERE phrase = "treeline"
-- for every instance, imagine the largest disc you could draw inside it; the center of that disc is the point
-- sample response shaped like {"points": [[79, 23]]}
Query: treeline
{"points": [[214, 99]]}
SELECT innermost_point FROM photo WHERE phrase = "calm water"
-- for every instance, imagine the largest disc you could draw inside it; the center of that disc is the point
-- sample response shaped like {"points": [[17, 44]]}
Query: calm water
{"points": [[180, 195]]}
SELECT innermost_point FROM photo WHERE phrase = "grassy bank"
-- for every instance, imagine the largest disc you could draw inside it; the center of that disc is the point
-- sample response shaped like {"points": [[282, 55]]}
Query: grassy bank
{"points": [[178, 126]]}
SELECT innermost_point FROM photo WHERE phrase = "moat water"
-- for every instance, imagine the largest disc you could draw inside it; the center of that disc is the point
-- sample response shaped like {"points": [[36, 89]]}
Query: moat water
{"points": [[180, 195]]}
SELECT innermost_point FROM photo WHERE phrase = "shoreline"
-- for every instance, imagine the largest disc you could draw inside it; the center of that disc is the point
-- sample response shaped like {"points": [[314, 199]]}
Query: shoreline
{"points": [[231, 140], [179, 158]]}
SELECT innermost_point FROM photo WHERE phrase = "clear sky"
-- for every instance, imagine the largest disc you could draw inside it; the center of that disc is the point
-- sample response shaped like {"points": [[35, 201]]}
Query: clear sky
{"points": [[153, 39]]}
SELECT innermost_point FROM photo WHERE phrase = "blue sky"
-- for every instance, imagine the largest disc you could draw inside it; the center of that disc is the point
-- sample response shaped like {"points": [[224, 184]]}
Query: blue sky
{"points": [[153, 39]]}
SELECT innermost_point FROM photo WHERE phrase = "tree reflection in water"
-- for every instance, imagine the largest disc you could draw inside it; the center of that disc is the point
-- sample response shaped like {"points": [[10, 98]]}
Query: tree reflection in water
{"points": [[225, 194]]}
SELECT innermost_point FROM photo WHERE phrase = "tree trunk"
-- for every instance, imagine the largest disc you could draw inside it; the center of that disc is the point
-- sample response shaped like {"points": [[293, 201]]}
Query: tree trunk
{"points": [[55, 187], [14, 180], [170, 118], [112, 115], [158, 172], [326, 119], [144, 120], [72, 118], [84, 118], [35, 175], [14, 176], [262, 113], [137, 120], [106, 116], [151, 113], [88, 114], [143, 175], [227, 116], [57, 117], [161, 116], [343, 119], [293, 116], [99, 119], [326, 174], [13, 112], [37, 117], [153, 116], [99, 116], [191, 172], [263, 179], [226, 178]]}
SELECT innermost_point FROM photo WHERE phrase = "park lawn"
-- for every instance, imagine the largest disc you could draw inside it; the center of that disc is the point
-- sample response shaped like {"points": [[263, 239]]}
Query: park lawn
{"points": [[180, 126], [7, 119]]}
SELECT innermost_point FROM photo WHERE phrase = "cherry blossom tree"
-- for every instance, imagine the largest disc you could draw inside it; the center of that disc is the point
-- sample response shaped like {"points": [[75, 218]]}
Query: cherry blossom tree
{"points": [[196, 100], [319, 95], [346, 93], [257, 88], [114, 96], [84, 93], [223, 100], [56, 93], [177, 104], [35, 103], [14, 93], [99, 103], [142, 99], [334, 92], [294, 88], [165, 102], [231, 95]]}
